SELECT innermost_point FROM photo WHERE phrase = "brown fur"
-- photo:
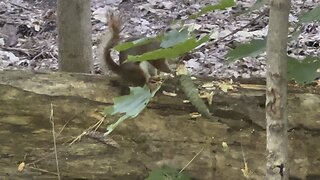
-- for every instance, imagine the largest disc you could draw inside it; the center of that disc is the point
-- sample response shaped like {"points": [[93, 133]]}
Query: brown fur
{"points": [[137, 73]]}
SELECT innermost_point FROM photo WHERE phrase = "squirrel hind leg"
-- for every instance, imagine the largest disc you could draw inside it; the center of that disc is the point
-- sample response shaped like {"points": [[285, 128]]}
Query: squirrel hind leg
{"points": [[148, 69], [133, 73], [161, 64]]}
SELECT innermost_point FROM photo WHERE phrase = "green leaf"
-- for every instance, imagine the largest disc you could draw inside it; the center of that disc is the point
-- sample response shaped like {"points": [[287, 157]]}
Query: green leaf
{"points": [[222, 5], [254, 48], [174, 37], [127, 45], [170, 53], [313, 15], [192, 93], [130, 105], [303, 71], [170, 39], [167, 173]]}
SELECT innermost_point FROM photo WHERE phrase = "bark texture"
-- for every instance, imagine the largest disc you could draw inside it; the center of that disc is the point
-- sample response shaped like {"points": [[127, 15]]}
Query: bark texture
{"points": [[74, 36], [276, 92]]}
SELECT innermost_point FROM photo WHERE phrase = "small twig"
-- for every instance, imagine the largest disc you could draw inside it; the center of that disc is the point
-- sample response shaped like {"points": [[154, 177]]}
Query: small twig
{"points": [[43, 170], [54, 141], [72, 118], [24, 51], [40, 159], [4, 35], [23, 7], [245, 170], [245, 26], [38, 55], [239, 29], [78, 138], [190, 161], [95, 127], [50, 53]]}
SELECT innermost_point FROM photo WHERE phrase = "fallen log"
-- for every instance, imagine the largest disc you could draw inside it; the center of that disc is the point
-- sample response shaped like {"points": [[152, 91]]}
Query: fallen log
{"points": [[164, 134]]}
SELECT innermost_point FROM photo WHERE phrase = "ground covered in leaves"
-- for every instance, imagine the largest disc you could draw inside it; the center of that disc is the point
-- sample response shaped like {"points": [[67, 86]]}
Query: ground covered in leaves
{"points": [[28, 32]]}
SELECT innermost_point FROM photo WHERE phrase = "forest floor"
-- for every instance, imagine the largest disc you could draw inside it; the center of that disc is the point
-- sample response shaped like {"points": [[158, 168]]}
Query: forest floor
{"points": [[28, 32]]}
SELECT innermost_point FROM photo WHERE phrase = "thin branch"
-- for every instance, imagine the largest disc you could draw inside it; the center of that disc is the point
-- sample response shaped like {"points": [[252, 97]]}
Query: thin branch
{"points": [[54, 142], [18, 5], [190, 161]]}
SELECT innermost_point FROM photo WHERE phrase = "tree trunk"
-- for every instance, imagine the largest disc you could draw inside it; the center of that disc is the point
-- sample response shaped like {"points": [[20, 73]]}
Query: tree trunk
{"points": [[74, 36], [276, 92]]}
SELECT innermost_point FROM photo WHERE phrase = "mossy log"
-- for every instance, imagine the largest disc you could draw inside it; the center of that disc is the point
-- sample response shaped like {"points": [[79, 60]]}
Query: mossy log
{"points": [[164, 134]]}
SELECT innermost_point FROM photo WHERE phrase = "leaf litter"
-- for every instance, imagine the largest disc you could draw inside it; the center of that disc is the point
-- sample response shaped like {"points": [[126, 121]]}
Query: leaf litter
{"points": [[28, 32]]}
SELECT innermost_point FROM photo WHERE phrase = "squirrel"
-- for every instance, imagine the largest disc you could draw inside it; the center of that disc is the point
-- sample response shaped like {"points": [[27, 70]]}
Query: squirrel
{"points": [[137, 73]]}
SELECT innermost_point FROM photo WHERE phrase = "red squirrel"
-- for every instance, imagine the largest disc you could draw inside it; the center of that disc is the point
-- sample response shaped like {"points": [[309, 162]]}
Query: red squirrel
{"points": [[137, 73]]}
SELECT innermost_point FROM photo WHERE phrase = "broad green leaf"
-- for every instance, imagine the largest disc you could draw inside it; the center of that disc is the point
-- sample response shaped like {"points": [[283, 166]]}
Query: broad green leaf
{"points": [[166, 173], [173, 52], [303, 71], [129, 105], [174, 37], [254, 48], [313, 15], [133, 103], [222, 5], [192, 93], [167, 40], [127, 45]]}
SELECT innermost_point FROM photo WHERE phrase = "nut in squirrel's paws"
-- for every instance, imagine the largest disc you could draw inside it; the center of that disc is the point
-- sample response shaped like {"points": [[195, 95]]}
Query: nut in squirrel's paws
{"points": [[154, 82], [155, 79]]}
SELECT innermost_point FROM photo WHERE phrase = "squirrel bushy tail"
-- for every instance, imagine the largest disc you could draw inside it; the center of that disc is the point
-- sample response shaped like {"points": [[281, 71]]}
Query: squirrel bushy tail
{"points": [[137, 73], [115, 27]]}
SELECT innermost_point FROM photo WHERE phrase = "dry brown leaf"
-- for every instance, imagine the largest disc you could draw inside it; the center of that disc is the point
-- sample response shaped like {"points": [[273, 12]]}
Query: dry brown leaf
{"points": [[21, 166]]}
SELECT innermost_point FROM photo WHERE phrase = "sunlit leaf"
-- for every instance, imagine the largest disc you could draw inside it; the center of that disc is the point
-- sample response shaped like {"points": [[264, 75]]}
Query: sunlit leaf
{"points": [[173, 52], [254, 48], [127, 45], [130, 105], [304, 71], [174, 37], [191, 91]]}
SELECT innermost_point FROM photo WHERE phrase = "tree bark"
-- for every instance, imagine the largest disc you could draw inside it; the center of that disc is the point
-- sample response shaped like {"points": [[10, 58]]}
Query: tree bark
{"points": [[74, 36], [276, 92]]}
